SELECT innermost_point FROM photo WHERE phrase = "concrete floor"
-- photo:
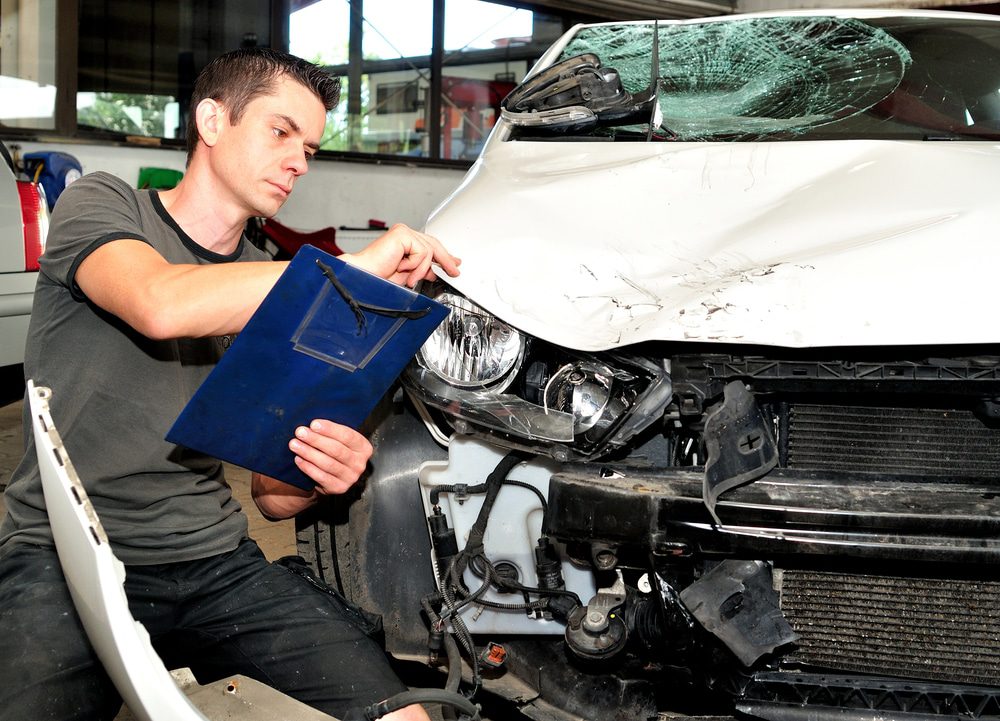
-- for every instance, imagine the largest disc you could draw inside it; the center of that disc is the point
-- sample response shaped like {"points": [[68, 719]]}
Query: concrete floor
{"points": [[276, 539]]}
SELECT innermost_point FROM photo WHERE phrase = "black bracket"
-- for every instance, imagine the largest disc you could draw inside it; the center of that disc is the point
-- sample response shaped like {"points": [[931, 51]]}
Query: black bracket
{"points": [[739, 442]]}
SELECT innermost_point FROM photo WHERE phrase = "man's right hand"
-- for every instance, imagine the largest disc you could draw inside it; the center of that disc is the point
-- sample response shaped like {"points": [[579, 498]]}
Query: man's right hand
{"points": [[332, 455]]}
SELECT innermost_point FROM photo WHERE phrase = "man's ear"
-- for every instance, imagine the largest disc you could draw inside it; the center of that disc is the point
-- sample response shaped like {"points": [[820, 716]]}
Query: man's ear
{"points": [[210, 118]]}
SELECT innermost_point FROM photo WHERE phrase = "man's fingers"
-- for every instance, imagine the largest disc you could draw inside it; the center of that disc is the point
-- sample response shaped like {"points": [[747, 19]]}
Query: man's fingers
{"points": [[327, 484], [440, 255], [405, 256], [425, 249], [332, 455]]}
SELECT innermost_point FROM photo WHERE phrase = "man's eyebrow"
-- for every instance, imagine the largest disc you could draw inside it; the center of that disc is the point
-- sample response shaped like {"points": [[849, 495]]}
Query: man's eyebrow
{"points": [[295, 127]]}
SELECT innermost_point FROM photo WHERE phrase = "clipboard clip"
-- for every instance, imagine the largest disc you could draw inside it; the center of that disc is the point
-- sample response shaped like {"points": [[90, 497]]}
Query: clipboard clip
{"points": [[358, 307]]}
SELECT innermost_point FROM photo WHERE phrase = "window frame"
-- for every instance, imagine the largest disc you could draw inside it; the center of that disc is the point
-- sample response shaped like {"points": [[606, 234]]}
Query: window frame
{"points": [[67, 44]]}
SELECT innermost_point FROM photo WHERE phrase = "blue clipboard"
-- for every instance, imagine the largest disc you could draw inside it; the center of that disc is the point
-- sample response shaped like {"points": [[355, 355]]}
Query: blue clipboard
{"points": [[327, 342]]}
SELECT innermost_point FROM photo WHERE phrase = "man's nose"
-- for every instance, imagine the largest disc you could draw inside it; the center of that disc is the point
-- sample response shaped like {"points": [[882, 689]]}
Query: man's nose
{"points": [[296, 162]]}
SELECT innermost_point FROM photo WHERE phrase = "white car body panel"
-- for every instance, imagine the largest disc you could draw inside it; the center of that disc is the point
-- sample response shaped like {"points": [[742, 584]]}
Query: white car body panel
{"points": [[95, 578], [596, 245]]}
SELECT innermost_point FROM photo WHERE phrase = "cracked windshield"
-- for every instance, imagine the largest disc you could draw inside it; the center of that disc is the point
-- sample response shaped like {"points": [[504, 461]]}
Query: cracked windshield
{"points": [[784, 78]]}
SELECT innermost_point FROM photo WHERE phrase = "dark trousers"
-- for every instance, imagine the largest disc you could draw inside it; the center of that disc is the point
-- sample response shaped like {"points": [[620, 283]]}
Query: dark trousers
{"points": [[229, 614]]}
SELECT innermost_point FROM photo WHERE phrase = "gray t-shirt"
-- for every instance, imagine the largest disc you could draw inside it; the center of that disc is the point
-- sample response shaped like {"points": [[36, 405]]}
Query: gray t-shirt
{"points": [[116, 393]]}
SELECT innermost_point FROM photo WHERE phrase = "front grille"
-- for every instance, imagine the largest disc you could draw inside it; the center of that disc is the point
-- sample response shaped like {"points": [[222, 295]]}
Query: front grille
{"points": [[942, 630], [929, 442]]}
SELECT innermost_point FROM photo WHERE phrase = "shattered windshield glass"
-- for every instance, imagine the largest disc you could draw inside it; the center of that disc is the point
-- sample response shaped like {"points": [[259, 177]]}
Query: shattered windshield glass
{"points": [[798, 78]]}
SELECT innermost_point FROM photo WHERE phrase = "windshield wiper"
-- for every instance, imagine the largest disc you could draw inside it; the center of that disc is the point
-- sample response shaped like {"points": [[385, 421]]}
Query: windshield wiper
{"points": [[656, 112]]}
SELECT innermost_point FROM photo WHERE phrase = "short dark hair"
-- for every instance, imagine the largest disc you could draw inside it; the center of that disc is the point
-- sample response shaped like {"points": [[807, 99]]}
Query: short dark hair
{"points": [[239, 76]]}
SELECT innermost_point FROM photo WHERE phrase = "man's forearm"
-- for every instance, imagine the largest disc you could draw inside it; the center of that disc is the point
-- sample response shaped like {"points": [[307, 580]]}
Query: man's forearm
{"points": [[163, 300], [278, 500]]}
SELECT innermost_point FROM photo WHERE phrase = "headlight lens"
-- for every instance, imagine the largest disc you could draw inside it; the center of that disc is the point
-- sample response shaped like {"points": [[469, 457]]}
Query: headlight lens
{"points": [[472, 348], [583, 389]]}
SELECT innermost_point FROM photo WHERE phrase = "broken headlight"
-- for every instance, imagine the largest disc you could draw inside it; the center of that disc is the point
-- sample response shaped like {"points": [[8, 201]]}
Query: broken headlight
{"points": [[487, 376]]}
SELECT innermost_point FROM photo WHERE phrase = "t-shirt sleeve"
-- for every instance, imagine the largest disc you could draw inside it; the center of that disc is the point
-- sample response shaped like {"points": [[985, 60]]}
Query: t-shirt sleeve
{"points": [[96, 209]]}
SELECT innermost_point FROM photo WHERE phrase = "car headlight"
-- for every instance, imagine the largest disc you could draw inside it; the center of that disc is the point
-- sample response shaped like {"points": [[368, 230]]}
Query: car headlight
{"points": [[472, 348], [486, 375]]}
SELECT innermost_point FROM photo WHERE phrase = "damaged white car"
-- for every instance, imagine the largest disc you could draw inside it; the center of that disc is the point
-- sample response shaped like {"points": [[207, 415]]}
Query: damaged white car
{"points": [[712, 428]]}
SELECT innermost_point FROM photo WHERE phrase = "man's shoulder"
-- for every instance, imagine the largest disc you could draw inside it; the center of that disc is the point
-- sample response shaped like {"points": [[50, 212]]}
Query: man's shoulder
{"points": [[97, 186]]}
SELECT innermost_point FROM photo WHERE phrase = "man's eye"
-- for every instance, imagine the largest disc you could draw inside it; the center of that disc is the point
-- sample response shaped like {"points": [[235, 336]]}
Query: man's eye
{"points": [[279, 132], [309, 157]]}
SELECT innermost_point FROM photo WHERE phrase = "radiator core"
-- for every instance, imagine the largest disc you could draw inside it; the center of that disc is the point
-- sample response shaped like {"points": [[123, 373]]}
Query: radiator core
{"points": [[931, 629]]}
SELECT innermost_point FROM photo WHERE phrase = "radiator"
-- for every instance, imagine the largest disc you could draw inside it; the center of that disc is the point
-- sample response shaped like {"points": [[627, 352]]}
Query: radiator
{"points": [[919, 628], [930, 442]]}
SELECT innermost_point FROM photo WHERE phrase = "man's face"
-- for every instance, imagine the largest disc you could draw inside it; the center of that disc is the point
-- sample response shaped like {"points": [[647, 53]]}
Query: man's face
{"points": [[259, 158]]}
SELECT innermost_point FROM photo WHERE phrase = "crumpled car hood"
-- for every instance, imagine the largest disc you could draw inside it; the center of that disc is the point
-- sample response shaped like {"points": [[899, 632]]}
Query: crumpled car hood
{"points": [[808, 243]]}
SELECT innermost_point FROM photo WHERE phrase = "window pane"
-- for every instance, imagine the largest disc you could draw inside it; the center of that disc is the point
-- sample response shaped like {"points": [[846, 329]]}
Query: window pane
{"points": [[396, 29], [138, 58], [471, 97], [490, 48], [156, 116], [397, 48], [342, 131], [28, 63], [475, 25], [395, 122], [319, 31]]}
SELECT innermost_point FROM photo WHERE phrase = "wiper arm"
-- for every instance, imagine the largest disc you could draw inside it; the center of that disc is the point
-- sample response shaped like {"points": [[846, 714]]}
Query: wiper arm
{"points": [[656, 116], [656, 112]]}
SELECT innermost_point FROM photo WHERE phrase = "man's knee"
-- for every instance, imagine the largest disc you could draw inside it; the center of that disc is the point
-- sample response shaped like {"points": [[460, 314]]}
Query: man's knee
{"points": [[48, 669]]}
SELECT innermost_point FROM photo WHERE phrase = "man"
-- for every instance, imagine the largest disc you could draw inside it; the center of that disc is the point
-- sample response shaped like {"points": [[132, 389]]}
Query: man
{"points": [[137, 294]]}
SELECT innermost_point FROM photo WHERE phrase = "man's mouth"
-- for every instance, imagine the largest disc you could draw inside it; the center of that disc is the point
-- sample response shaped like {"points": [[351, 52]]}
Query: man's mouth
{"points": [[285, 189]]}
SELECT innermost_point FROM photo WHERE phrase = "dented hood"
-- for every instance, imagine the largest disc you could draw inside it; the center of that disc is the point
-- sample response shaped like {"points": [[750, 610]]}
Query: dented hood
{"points": [[809, 243]]}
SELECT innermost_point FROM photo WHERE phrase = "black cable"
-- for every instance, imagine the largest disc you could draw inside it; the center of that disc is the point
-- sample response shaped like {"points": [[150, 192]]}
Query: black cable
{"points": [[452, 581], [468, 597], [515, 586], [494, 483], [528, 486], [461, 630], [436, 492], [422, 695], [454, 679], [454, 487], [473, 547], [358, 306]]}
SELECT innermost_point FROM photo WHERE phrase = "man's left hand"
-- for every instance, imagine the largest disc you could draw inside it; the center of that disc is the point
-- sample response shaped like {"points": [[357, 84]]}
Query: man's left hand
{"points": [[404, 256]]}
